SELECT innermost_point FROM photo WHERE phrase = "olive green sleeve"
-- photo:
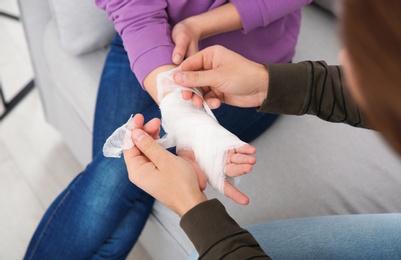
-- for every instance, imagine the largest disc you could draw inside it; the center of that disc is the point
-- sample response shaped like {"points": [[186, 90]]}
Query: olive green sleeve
{"points": [[311, 88], [216, 235]]}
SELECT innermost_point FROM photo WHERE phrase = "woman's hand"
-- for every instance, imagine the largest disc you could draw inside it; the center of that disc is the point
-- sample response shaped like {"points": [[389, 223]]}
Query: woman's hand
{"points": [[186, 36], [187, 33], [239, 161]]}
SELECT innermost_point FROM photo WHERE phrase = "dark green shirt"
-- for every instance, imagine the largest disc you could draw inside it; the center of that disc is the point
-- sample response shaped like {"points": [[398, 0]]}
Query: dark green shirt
{"points": [[216, 235], [311, 88], [295, 89]]}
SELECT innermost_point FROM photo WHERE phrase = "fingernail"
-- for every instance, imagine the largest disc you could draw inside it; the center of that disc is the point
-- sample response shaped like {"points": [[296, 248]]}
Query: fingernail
{"points": [[214, 104], [138, 135], [177, 59], [180, 77]]}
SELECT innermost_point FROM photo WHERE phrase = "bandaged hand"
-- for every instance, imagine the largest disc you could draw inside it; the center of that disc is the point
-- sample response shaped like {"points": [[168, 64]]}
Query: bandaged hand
{"points": [[217, 151], [237, 163], [211, 149], [224, 76]]}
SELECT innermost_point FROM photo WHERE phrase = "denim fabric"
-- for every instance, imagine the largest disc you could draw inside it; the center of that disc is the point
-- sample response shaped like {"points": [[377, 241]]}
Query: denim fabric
{"points": [[375, 237], [101, 213], [87, 220]]}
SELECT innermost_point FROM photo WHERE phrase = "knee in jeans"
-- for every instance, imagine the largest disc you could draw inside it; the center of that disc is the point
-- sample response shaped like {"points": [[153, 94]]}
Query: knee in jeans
{"points": [[108, 179]]}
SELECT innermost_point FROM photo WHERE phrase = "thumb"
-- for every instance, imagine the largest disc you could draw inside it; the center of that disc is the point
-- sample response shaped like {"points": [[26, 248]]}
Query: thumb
{"points": [[148, 146], [196, 78]]}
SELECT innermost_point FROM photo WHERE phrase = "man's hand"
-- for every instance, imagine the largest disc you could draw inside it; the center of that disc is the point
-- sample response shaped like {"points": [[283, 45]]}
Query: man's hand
{"points": [[178, 182], [166, 177], [224, 76]]}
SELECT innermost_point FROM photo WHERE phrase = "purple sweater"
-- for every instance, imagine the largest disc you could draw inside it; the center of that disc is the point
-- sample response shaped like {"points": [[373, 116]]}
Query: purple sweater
{"points": [[270, 32]]}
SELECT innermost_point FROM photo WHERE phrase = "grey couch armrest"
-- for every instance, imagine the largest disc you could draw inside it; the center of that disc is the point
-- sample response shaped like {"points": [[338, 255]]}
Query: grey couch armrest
{"points": [[35, 16]]}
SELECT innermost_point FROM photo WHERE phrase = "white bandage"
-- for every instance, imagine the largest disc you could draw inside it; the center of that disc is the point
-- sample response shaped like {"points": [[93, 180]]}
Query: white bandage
{"points": [[120, 140], [190, 128]]}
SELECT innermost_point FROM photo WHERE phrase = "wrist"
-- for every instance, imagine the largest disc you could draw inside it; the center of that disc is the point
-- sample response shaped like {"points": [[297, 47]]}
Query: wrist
{"points": [[150, 83], [262, 82], [197, 26], [189, 203]]}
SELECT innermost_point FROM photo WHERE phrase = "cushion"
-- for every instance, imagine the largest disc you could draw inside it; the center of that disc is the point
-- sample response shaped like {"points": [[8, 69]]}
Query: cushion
{"points": [[77, 76], [329, 5], [82, 27]]}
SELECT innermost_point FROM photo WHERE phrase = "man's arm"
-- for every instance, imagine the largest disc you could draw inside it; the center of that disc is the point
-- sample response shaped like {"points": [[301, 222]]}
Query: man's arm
{"points": [[146, 33], [173, 182], [311, 88], [296, 89], [216, 235]]}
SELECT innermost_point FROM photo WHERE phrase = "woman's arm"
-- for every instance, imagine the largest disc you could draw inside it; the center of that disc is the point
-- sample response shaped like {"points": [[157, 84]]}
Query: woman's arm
{"points": [[146, 33], [187, 33], [239, 14], [260, 13], [222, 19], [235, 15]]}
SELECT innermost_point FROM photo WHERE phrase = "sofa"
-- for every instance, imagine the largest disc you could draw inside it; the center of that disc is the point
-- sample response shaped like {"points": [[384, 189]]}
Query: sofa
{"points": [[305, 166]]}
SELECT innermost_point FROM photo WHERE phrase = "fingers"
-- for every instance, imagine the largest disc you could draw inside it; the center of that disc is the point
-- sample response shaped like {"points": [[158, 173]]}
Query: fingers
{"points": [[200, 60], [148, 146], [135, 161], [138, 120], [131, 153], [153, 128], [246, 149], [184, 48], [189, 156], [240, 160], [196, 100], [187, 95], [239, 164], [235, 170], [242, 155], [213, 103], [233, 193], [192, 48], [195, 78], [178, 55], [180, 49]]}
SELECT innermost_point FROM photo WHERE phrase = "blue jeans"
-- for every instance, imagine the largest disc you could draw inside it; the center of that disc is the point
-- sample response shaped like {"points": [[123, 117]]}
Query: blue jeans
{"points": [[376, 236], [101, 214]]}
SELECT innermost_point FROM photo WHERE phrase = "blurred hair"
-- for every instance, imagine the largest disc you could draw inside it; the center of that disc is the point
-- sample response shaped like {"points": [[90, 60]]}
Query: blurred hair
{"points": [[371, 33]]}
